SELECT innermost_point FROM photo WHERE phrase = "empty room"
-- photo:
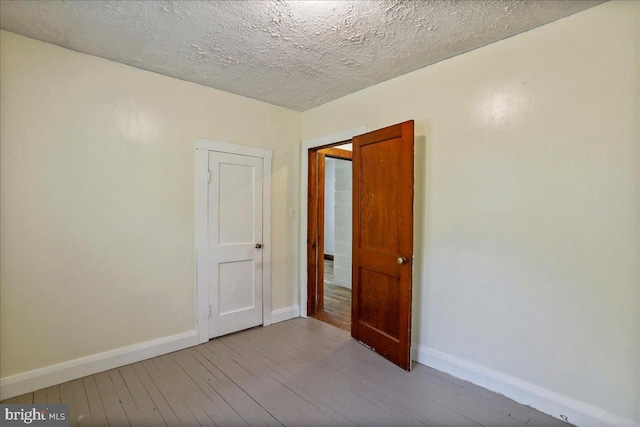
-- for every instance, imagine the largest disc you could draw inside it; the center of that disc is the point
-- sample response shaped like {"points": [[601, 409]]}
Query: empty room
{"points": [[320, 213]]}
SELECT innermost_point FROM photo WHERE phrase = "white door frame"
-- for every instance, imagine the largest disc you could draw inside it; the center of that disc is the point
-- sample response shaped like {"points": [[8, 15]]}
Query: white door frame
{"points": [[203, 147], [304, 182]]}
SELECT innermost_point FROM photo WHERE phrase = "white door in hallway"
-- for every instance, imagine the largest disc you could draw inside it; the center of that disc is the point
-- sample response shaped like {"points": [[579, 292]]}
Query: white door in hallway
{"points": [[235, 242]]}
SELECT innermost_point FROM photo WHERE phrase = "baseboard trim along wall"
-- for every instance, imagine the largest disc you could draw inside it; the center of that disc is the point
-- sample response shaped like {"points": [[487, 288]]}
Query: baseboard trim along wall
{"points": [[286, 313], [37, 379], [554, 404]]}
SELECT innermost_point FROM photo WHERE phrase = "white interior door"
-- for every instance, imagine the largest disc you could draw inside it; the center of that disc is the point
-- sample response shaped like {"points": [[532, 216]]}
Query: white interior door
{"points": [[235, 242]]}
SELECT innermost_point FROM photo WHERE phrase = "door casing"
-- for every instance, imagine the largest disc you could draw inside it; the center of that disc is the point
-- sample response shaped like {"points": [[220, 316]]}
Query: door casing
{"points": [[315, 222], [202, 149], [304, 184]]}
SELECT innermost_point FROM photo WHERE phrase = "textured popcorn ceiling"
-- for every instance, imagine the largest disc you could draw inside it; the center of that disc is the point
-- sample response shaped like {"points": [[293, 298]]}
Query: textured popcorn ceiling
{"points": [[296, 54]]}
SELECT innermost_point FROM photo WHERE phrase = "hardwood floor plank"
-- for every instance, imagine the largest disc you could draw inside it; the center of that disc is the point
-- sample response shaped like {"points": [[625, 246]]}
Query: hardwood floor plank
{"points": [[220, 411], [81, 403], [186, 389], [259, 392], [98, 414], [53, 394], [66, 396], [277, 390], [25, 399], [468, 407], [113, 409], [347, 383], [126, 400], [241, 401], [324, 376], [336, 309], [288, 373], [165, 382], [156, 396], [247, 409], [388, 399], [148, 410], [40, 396]]}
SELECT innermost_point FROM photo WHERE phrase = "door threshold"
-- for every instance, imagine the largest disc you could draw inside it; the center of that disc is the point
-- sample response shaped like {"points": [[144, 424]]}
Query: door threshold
{"points": [[326, 317]]}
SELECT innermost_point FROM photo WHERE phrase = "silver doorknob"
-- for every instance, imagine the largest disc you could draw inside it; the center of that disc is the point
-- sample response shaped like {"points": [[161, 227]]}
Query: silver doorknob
{"points": [[258, 245], [402, 260]]}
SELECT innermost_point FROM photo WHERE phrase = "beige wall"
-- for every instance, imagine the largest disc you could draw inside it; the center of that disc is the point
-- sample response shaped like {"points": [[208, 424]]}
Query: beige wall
{"points": [[527, 202], [97, 199]]}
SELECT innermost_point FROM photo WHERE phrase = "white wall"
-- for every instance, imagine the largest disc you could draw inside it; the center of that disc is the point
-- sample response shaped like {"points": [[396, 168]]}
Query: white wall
{"points": [[527, 205], [343, 213], [97, 200], [329, 206]]}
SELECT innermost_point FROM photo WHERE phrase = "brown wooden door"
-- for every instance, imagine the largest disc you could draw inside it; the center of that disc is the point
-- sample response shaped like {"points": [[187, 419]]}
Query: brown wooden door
{"points": [[383, 241]]}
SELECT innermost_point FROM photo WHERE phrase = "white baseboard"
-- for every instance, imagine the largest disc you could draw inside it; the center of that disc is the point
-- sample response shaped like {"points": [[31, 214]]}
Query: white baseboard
{"points": [[37, 379], [544, 400], [286, 313]]}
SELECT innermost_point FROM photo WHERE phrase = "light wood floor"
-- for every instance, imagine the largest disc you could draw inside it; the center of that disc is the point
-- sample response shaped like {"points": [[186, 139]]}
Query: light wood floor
{"points": [[294, 373], [337, 307], [337, 301]]}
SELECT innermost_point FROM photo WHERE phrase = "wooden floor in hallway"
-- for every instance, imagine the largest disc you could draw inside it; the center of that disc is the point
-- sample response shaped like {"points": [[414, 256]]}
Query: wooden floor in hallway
{"points": [[301, 372], [337, 307], [337, 301]]}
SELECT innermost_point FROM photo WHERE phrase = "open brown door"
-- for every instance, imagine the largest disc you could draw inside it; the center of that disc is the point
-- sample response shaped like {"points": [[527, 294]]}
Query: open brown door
{"points": [[383, 241]]}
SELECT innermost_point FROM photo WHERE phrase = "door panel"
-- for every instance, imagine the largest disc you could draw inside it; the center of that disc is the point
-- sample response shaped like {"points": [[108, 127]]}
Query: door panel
{"points": [[383, 241], [235, 228], [236, 204], [374, 287], [236, 298]]}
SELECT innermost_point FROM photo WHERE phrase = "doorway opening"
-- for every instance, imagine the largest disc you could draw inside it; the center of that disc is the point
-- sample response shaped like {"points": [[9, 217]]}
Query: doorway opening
{"points": [[330, 220]]}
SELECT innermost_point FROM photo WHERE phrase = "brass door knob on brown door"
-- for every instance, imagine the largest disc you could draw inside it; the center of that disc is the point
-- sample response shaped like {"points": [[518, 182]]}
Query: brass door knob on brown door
{"points": [[258, 245], [402, 260]]}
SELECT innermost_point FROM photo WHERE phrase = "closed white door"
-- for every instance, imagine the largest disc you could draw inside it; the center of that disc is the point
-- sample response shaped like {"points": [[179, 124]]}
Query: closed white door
{"points": [[235, 242]]}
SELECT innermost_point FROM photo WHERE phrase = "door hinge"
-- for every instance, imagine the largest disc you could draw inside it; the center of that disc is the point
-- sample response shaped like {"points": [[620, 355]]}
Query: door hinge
{"points": [[209, 176], [209, 311]]}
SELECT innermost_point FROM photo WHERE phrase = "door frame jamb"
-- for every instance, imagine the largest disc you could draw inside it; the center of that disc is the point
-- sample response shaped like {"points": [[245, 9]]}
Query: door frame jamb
{"points": [[316, 220], [202, 149], [304, 175]]}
